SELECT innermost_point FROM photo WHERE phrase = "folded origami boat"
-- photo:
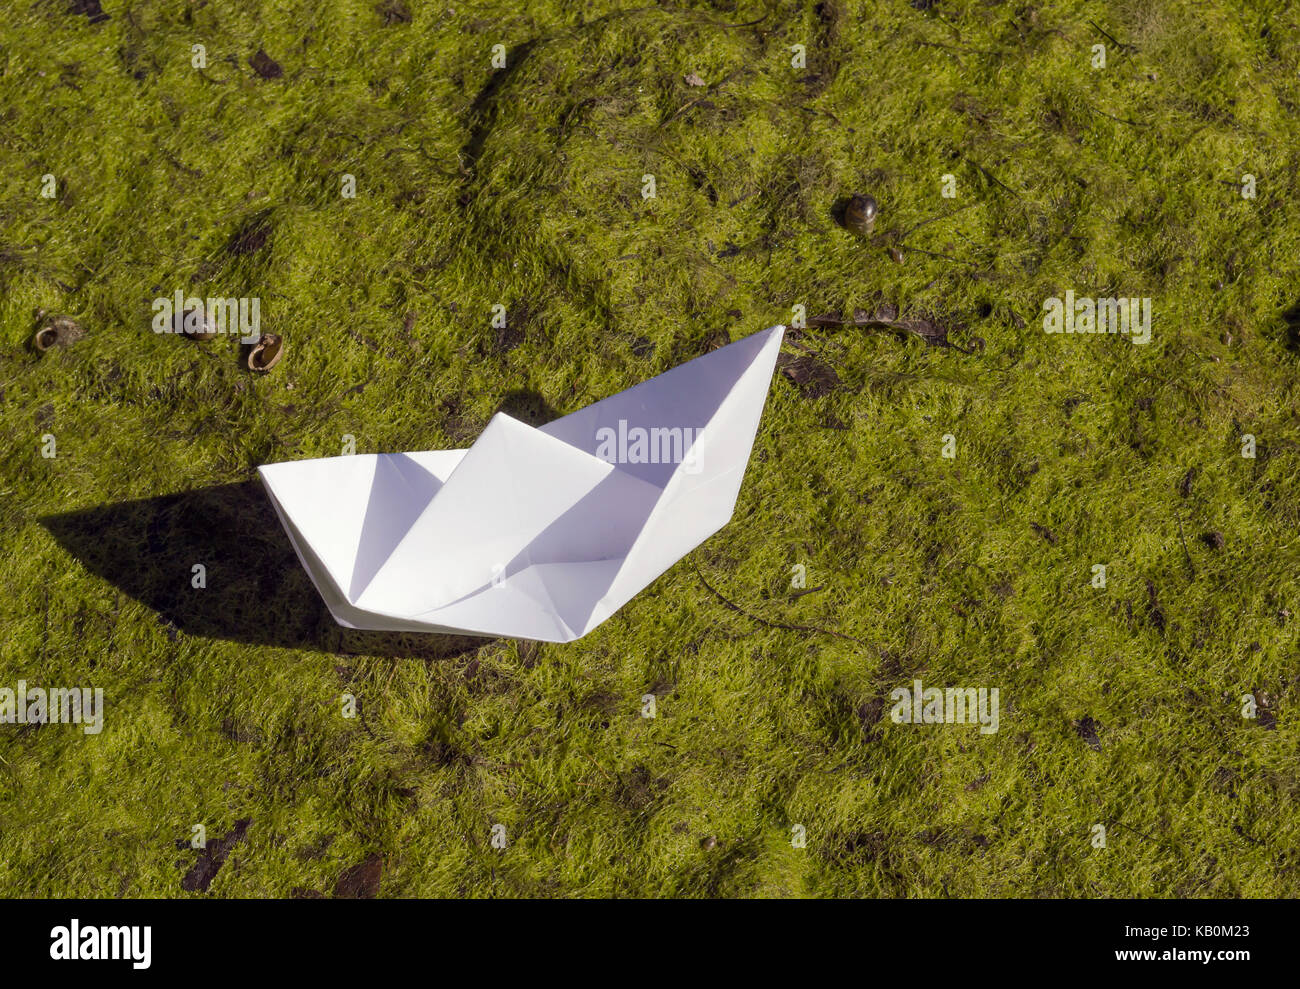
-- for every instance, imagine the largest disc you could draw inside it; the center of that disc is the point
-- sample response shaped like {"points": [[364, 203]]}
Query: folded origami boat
{"points": [[534, 533]]}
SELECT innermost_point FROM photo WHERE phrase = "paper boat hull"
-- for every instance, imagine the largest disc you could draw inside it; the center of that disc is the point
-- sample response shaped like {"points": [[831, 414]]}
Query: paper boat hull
{"points": [[531, 533]]}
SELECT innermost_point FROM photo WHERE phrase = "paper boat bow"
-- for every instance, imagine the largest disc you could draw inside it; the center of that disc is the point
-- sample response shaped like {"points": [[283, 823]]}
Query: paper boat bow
{"points": [[534, 533]]}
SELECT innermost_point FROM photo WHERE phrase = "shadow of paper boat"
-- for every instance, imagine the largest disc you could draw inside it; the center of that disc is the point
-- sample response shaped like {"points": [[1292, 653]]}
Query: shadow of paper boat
{"points": [[255, 591], [535, 533]]}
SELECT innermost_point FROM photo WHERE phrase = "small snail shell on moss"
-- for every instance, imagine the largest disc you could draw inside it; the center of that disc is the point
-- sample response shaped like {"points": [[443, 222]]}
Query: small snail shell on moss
{"points": [[266, 353], [57, 331], [860, 214], [197, 324]]}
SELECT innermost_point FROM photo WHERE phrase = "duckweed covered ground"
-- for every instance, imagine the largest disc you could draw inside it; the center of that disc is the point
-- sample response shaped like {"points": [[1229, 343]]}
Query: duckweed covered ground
{"points": [[478, 186]]}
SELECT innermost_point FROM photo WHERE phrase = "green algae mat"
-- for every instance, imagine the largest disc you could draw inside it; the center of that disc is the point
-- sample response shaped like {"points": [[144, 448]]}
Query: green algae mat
{"points": [[1008, 605]]}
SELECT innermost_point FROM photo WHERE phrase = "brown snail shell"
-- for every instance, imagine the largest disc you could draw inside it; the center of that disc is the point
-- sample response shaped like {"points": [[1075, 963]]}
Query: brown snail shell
{"points": [[860, 214], [57, 331], [266, 353], [206, 330]]}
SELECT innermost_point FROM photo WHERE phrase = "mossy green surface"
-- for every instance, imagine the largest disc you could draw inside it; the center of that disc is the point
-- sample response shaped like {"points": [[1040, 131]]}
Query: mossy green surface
{"points": [[522, 186]]}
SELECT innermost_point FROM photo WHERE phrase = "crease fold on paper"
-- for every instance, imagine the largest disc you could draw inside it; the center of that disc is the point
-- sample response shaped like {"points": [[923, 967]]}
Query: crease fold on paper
{"points": [[531, 532]]}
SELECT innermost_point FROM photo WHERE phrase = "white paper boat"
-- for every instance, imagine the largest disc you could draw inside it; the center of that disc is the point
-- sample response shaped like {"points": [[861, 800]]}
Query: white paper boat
{"points": [[532, 533]]}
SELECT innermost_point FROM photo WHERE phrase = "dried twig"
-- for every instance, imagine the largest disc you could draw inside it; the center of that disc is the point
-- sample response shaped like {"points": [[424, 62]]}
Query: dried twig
{"points": [[927, 329], [819, 587], [1111, 116], [1113, 40], [990, 176], [763, 621]]}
